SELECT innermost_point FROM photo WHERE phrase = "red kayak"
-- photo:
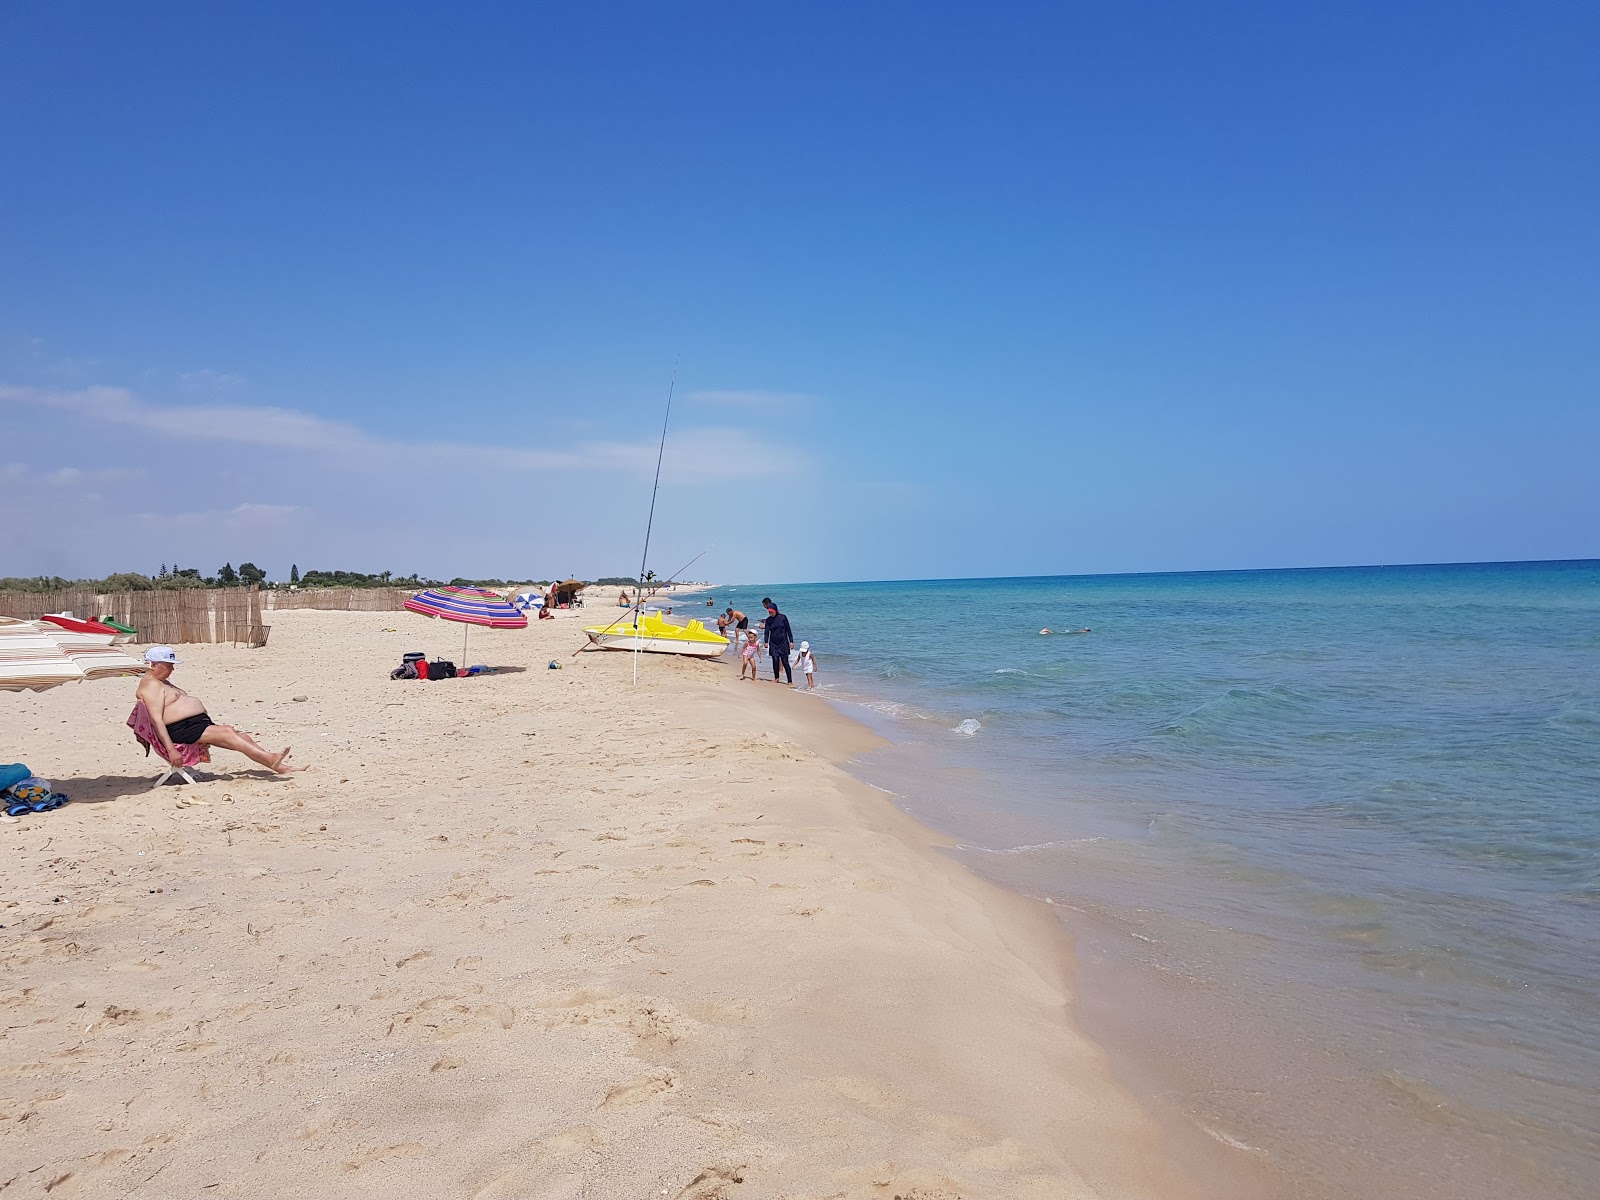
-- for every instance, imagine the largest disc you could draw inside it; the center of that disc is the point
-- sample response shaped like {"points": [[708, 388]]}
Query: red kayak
{"points": [[77, 626]]}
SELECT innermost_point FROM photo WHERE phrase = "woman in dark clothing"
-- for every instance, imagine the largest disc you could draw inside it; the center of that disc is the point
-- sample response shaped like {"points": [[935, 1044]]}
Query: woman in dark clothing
{"points": [[779, 638]]}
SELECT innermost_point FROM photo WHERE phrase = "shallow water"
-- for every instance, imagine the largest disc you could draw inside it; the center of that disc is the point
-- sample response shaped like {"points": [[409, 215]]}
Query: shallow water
{"points": [[1329, 840]]}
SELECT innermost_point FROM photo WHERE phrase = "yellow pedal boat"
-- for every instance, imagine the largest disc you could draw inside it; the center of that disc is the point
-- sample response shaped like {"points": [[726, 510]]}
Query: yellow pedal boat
{"points": [[653, 634]]}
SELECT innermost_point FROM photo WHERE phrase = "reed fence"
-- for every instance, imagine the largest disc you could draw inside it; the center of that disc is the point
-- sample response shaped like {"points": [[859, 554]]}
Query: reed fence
{"points": [[341, 599], [171, 617]]}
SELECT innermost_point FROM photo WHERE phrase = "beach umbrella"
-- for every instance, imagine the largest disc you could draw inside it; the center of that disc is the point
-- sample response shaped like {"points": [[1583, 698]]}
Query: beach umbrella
{"points": [[469, 605], [566, 592], [35, 656]]}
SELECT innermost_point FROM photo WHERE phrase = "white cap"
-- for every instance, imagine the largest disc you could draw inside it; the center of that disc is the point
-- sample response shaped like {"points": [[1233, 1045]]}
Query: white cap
{"points": [[160, 654], [805, 645]]}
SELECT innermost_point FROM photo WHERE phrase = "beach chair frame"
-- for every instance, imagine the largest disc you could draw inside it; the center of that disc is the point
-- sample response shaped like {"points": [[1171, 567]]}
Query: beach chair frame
{"points": [[170, 772]]}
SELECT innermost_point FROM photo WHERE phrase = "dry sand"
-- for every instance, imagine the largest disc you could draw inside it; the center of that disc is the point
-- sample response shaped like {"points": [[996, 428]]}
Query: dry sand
{"points": [[533, 935]]}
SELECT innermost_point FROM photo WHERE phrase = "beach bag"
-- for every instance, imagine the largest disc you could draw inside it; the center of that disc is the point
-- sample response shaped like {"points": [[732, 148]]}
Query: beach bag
{"points": [[32, 790], [441, 670]]}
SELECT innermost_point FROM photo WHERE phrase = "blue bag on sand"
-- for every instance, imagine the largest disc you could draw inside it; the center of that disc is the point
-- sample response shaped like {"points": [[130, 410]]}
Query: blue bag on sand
{"points": [[12, 774]]}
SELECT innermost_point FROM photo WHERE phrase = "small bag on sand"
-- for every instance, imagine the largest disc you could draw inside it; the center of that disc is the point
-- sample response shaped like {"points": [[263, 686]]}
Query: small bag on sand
{"points": [[441, 670]]}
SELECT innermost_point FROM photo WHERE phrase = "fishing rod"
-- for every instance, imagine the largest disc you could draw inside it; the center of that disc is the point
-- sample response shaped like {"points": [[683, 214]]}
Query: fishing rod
{"points": [[673, 578], [661, 452], [644, 558]]}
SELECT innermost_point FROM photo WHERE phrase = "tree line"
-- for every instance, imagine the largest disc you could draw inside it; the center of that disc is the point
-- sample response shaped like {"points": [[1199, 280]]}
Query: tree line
{"points": [[246, 574]]}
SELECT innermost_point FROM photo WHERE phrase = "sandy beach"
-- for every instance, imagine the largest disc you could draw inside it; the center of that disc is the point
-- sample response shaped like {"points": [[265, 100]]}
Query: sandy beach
{"points": [[539, 934]]}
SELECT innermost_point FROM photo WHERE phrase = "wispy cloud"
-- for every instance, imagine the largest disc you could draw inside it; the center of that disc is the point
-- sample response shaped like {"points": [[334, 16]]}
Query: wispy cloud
{"points": [[750, 398], [208, 382], [66, 477], [698, 454], [240, 516]]}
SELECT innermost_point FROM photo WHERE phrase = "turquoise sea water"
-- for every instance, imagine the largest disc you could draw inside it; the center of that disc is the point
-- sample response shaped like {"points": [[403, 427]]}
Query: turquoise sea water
{"points": [[1329, 840]]}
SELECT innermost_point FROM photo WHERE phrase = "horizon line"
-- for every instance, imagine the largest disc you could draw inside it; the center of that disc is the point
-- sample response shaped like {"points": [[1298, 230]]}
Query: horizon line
{"points": [[1493, 562]]}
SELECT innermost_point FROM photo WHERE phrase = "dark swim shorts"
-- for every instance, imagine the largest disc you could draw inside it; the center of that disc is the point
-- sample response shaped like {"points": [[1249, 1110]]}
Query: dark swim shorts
{"points": [[187, 731]]}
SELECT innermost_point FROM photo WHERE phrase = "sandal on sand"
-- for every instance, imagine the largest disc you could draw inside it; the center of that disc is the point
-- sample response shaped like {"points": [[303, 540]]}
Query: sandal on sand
{"points": [[19, 808]]}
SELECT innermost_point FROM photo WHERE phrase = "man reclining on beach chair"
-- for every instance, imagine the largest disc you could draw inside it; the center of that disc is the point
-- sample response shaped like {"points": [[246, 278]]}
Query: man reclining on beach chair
{"points": [[183, 729]]}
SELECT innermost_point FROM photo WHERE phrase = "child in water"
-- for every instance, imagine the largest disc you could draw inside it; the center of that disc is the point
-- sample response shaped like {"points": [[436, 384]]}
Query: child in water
{"points": [[807, 662], [747, 655]]}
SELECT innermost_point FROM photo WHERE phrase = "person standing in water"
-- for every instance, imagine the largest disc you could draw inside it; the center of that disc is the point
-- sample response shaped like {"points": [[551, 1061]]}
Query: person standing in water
{"points": [[779, 640], [806, 664]]}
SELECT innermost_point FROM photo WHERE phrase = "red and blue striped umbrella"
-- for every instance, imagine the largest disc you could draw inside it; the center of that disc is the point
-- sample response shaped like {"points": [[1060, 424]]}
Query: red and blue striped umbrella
{"points": [[472, 605]]}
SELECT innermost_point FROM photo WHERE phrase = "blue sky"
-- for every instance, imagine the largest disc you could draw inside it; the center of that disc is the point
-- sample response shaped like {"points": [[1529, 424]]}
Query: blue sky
{"points": [[951, 289]]}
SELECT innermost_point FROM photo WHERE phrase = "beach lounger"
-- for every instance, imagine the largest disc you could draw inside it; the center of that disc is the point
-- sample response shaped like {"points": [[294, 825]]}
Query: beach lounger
{"points": [[144, 729]]}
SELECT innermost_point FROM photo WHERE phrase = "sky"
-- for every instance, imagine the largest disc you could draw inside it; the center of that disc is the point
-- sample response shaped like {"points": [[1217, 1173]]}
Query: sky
{"points": [[938, 290]]}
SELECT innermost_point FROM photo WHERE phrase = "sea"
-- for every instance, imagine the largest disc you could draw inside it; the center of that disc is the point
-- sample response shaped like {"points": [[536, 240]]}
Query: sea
{"points": [[1327, 842]]}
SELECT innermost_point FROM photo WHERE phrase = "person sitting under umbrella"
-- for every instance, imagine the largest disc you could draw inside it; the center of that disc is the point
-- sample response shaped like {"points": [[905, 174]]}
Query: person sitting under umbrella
{"points": [[181, 719]]}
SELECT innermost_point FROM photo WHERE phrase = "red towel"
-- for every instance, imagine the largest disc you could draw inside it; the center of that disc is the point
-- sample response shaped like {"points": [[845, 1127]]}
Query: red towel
{"points": [[144, 728]]}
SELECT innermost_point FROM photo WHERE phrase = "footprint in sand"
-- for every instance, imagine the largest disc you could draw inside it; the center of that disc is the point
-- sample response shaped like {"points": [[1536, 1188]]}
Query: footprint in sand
{"points": [[637, 1091], [547, 1153], [436, 1017], [651, 1022], [564, 1144], [367, 1155], [715, 1183], [115, 1015]]}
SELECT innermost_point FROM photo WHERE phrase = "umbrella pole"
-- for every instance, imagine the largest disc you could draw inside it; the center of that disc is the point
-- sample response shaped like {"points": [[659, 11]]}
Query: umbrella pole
{"points": [[465, 629]]}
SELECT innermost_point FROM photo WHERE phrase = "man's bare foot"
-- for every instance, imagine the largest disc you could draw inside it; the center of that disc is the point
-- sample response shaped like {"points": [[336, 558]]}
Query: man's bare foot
{"points": [[280, 763]]}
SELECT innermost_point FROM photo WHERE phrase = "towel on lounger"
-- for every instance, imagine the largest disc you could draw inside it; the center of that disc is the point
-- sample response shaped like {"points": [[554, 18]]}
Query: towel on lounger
{"points": [[144, 728]]}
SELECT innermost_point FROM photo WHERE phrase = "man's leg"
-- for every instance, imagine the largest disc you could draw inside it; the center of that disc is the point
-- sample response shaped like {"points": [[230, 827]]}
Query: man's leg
{"points": [[234, 729], [229, 738]]}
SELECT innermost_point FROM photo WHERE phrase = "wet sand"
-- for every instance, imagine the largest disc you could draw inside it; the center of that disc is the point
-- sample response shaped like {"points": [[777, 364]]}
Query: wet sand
{"points": [[538, 934]]}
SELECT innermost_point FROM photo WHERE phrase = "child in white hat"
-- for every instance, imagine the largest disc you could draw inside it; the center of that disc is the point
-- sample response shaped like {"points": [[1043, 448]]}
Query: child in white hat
{"points": [[807, 662]]}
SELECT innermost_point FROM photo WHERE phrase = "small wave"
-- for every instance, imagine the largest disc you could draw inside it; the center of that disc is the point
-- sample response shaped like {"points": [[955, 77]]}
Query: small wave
{"points": [[1064, 843], [888, 708], [968, 727], [1576, 718], [1230, 1140], [1010, 671]]}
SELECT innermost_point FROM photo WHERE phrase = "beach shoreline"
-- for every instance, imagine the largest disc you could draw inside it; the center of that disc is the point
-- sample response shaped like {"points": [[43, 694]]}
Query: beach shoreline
{"points": [[1299, 929], [555, 936]]}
